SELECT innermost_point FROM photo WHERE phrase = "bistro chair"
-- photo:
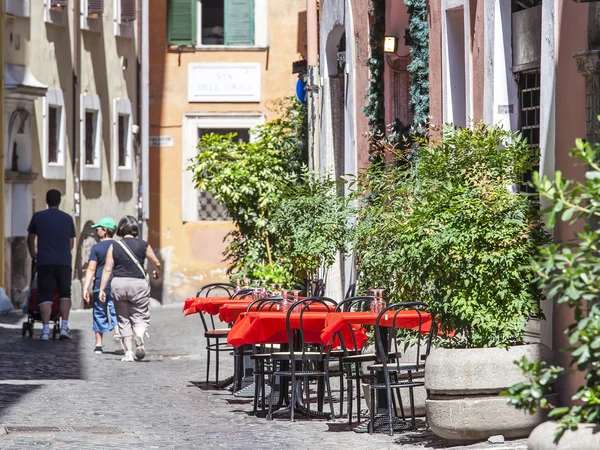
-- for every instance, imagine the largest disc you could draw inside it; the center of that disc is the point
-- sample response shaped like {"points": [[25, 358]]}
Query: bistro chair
{"points": [[211, 332], [354, 356], [398, 372], [304, 361], [319, 290]]}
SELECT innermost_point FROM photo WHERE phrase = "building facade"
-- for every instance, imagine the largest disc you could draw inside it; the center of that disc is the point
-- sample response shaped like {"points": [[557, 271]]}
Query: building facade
{"points": [[71, 121], [531, 66], [216, 66]]}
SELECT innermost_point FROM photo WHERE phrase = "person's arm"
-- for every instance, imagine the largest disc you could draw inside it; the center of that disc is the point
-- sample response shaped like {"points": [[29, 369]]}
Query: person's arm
{"points": [[72, 243], [31, 246], [73, 235], [89, 276], [155, 262], [106, 273]]}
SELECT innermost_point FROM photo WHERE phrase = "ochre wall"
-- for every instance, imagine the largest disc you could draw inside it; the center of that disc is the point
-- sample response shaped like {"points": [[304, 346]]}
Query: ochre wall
{"points": [[195, 248]]}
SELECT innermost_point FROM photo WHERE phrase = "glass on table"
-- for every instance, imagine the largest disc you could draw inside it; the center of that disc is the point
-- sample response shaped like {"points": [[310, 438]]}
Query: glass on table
{"points": [[238, 284], [284, 304], [246, 283]]}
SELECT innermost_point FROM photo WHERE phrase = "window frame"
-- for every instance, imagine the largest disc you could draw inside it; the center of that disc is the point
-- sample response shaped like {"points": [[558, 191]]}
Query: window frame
{"points": [[18, 8], [58, 170], [122, 174], [90, 172], [55, 16], [88, 23], [206, 120], [121, 28], [260, 30]]}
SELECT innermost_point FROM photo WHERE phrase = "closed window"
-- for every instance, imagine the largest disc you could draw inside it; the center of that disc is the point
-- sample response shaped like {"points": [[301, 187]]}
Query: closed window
{"points": [[91, 138], [90, 131], [59, 4], [53, 133], [95, 8], [122, 153], [212, 22], [123, 139]]}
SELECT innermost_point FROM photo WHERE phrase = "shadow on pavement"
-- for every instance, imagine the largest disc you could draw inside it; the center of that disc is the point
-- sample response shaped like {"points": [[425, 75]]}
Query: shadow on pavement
{"points": [[10, 394], [31, 359]]}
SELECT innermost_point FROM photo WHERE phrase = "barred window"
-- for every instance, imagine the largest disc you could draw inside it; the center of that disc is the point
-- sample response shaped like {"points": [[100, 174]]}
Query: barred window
{"points": [[208, 207], [53, 127], [529, 115], [90, 125], [123, 128]]}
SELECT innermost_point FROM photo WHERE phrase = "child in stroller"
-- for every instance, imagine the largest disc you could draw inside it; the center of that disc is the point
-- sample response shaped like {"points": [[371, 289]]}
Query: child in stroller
{"points": [[33, 310]]}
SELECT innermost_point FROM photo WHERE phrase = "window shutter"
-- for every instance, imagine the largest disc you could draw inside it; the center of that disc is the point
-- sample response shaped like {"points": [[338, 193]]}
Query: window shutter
{"points": [[239, 22], [182, 22], [95, 7], [128, 12], [59, 3]]}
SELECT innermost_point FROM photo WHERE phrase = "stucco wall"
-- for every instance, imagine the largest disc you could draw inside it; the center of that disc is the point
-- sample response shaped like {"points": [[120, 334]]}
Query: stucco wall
{"points": [[46, 50], [193, 250]]}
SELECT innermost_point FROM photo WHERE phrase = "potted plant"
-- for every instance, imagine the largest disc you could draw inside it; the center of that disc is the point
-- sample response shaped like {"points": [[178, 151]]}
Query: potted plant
{"points": [[570, 273], [455, 232]]}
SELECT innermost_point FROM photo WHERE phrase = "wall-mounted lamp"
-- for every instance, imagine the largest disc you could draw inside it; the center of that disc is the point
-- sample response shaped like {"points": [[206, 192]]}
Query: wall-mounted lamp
{"points": [[390, 44]]}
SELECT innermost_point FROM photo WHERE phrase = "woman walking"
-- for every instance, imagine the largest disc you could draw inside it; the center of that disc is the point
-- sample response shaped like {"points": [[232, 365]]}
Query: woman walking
{"points": [[130, 288], [105, 317]]}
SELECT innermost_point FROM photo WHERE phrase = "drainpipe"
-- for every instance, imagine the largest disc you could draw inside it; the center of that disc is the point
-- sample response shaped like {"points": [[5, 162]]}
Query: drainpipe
{"points": [[2, 175], [144, 101], [314, 113], [76, 119]]}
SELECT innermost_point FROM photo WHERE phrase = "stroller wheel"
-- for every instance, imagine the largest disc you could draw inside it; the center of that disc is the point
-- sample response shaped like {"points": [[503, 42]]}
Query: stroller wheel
{"points": [[24, 329]]}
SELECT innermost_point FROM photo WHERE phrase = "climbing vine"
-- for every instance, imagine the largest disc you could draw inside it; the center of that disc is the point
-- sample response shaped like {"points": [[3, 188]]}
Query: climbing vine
{"points": [[374, 110], [418, 30]]}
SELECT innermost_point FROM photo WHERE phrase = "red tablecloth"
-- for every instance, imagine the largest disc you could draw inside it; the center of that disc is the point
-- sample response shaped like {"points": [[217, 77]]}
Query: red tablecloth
{"points": [[211, 305], [229, 312], [270, 328], [337, 321]]}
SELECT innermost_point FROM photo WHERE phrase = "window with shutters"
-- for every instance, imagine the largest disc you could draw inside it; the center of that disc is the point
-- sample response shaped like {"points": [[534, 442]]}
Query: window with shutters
{"points": [[95, 8], [125, 14], [59, 4], [56, 11], [91, 15], [216, 22]]}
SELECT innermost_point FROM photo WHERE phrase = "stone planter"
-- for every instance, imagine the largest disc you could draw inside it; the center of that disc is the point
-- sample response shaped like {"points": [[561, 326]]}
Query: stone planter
{"points": [[463, 387], [586, 437]]}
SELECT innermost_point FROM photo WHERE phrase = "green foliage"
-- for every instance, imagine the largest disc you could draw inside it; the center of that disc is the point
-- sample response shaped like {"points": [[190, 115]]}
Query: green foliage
{"points": [[448, 230], [570, 273], [530, 395], [312, 224], [247, 179], [374, 110], [418, 30]]}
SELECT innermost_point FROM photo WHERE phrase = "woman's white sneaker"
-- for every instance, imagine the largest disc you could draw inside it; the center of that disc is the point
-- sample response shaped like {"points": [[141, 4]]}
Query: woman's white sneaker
{"points": [[140, 351], [119, 348], [128, 357]]}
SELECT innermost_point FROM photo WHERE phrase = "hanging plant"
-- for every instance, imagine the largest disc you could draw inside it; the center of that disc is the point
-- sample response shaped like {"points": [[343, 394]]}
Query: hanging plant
{"points": [[418, 30]]}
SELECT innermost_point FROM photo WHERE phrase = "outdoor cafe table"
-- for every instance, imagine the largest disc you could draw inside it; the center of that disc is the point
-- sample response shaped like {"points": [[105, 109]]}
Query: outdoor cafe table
{"points": [[270, 328], [230, 311], [211, 305], [408, 319]]}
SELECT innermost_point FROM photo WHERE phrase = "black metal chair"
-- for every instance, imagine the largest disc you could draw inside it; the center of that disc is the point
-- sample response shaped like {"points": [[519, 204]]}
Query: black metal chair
{"points": [[305, 361], [319, 290], [392, 363], [354, 357], [211, 332]]}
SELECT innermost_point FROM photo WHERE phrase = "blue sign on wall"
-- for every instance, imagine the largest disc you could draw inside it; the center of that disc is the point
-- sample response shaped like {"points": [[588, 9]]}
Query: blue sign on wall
{"points": [[301, 91]]}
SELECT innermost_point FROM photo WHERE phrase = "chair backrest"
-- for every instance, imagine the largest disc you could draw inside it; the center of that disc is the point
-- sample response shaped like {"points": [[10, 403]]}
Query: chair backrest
{"points": [[360, 303], [242, 293], [386, 337], [263, 303], [213, 289], [302, 306], [319, 289], [351, 292]]}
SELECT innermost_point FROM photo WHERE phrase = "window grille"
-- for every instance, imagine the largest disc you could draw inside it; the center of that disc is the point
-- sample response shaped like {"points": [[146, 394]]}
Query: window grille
{"points": [[90, 124], [529, 115], [123, 127]]}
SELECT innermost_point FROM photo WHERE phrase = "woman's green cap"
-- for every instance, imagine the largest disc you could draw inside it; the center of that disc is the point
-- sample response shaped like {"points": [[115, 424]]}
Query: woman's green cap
{"points": [[106, 222]]}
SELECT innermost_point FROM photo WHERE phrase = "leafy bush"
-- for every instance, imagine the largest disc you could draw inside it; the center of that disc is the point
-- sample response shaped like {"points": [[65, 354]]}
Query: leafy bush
{"points": [[312, 224], [247, 178], [570, 273], [450, 230]]}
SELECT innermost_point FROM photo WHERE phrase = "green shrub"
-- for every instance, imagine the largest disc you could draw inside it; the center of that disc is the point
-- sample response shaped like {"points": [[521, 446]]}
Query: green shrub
{"points": [[451, 231]]}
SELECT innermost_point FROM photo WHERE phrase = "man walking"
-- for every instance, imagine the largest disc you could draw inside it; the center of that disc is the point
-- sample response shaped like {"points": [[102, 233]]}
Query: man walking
{"points": [[55, 233]]}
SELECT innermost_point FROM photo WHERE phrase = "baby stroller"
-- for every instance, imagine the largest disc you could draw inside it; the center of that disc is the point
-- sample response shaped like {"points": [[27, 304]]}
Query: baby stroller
{"points": [[33, 311]]}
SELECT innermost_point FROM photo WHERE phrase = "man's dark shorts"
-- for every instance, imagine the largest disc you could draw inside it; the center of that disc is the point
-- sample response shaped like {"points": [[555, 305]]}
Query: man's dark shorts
{"points": [[51, 276]]}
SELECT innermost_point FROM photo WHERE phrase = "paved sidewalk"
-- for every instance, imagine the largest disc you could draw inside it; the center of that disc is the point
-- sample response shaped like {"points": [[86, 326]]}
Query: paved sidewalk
{"points": [[97, 402]]}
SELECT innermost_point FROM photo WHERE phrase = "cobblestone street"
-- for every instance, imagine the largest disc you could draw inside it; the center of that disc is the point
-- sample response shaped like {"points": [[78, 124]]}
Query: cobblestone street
{"points": [[96, 401]]}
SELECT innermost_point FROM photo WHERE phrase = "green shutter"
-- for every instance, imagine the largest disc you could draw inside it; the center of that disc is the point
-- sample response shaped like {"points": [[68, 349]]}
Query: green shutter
{"points": [[239, 22], [182, 22]]}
